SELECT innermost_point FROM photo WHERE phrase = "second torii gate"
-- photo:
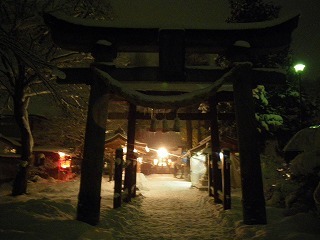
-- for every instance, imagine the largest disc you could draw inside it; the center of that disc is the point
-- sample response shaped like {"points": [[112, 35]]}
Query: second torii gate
{"points": [[171, 40]]}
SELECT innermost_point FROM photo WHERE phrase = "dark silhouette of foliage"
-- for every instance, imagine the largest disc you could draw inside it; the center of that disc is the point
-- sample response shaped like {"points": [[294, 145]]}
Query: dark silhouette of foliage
{"points": [[244, 11]]}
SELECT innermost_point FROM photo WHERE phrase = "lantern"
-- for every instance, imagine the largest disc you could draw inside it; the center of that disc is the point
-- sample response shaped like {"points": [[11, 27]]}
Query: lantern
{"points": [[176, 124], [153, 125], [165, 126]]}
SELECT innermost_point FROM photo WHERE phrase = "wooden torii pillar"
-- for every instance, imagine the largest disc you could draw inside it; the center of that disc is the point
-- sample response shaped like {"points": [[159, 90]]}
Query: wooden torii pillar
{"points": [[215, 173], [88, 209], [253, 201]]}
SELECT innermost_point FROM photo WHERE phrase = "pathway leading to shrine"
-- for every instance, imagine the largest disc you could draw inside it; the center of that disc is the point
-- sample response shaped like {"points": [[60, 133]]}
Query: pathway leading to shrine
{"points": [[167, 208]]}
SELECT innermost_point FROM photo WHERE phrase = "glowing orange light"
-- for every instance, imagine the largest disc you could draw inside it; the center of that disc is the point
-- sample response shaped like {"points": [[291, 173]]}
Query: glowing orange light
{"points": [[65, 160], [65, 164]]}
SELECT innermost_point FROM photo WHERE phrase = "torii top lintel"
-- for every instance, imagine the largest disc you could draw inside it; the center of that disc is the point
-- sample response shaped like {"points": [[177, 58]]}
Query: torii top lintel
{"points": [[137, 28]]}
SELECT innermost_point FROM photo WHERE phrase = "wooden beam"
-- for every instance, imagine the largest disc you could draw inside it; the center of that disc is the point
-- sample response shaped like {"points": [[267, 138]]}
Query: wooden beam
{"points": [[147, 78], [172, 55], [68, 33], [170, 116]]}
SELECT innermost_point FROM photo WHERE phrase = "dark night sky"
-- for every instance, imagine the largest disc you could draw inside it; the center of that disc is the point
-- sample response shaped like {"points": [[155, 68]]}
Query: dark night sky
{"points": [[306, 38]]}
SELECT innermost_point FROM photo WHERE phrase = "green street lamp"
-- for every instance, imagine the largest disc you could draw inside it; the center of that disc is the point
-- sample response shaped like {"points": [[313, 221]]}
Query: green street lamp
{"points": [[299, 69]]}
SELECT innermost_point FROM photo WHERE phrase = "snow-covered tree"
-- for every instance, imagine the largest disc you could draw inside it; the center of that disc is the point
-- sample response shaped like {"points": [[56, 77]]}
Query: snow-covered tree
{"points": [[267, 118], [243, 11], [21, 69], [29, 59]]}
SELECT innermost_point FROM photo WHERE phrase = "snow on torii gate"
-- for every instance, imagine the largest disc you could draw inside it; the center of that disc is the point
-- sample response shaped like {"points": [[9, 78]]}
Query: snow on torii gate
{"points": [[171, 39]]}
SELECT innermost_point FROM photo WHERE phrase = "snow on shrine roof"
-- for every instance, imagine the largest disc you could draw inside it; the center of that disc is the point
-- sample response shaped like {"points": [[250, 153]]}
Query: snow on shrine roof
{"points": [[119, 138]]}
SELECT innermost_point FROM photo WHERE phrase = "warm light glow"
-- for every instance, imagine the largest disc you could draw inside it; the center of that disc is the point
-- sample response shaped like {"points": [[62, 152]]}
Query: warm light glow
{"points": [[162, 153], [221, 155], [125, 149], [299, 67], [65, 163], [139, 159], [147, 149], [164, 164], [155, 161], [61, 154], [65, 160]]}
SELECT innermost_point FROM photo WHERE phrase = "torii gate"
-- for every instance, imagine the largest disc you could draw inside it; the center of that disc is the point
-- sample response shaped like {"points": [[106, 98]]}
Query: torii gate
{"points": [[171, 39]]}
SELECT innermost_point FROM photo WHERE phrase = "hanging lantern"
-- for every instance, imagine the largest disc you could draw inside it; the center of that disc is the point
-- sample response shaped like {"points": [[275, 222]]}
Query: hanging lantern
{"points": [[153, 125], [165, 126], [176, 124]]}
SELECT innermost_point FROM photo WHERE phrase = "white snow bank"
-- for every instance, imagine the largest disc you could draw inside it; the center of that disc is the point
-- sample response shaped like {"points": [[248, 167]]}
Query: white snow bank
{"points": [[165, 208]]}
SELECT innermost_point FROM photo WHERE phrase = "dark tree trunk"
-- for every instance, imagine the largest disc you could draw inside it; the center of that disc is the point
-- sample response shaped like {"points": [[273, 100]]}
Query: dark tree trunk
{"points": [[22, 119]]}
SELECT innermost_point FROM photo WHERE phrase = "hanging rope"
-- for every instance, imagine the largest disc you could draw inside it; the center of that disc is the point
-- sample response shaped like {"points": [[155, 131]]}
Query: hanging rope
{"points": [[174, 101]]}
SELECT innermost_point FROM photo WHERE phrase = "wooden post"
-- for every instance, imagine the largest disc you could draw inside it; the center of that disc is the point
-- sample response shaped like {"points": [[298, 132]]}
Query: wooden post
{"points": [[88, 209], [215, 147], [117, 198], [253, 201], [134, 177], [199, 133], [210, 176], [129, 185], [226, 188], [189, 133]]}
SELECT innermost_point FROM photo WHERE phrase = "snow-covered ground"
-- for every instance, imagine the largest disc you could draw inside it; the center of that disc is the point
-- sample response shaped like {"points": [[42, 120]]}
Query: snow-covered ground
{"points": [[165, 208]]}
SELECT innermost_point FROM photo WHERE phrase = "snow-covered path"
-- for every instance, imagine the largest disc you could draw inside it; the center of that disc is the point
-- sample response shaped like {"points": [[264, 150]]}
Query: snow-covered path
{"points": [[165, 209], [168, 208]]}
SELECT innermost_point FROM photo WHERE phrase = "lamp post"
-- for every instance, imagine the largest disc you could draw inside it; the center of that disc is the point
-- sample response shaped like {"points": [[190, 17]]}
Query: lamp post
{"points": [[299, 69]]}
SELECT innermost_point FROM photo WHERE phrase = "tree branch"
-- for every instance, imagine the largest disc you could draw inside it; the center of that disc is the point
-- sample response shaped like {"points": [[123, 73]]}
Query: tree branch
{"points": [[37, 93]]}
